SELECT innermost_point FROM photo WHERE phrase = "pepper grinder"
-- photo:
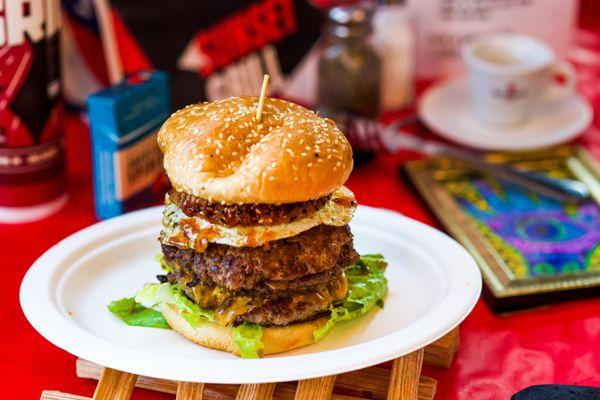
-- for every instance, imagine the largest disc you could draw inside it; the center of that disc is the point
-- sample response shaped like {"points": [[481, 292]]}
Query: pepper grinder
{"points": [[349, 66]]}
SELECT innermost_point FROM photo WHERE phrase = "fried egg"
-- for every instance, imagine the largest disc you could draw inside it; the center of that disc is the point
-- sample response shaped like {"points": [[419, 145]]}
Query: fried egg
{"points": [[196, 232]]}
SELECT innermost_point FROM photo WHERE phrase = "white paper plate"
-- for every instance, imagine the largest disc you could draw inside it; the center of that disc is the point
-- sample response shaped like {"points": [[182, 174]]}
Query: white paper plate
{"points": [[434, 283], [447, 109]]}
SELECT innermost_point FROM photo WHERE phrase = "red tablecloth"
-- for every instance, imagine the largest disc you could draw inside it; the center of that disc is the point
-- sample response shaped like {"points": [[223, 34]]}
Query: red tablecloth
{"points": [[498, 355]]}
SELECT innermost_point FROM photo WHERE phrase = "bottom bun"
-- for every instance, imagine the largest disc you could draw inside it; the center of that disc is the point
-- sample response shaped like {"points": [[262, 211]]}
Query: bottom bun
{"points": [[276, 339]]}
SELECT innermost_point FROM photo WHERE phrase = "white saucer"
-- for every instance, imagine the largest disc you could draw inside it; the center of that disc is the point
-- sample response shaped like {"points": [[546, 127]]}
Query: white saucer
{"points": [[433, 285], [447, 109]]}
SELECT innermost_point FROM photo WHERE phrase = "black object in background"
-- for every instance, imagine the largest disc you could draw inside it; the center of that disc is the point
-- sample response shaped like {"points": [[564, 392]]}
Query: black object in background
{"points": [[214, 49], [558, 392]]}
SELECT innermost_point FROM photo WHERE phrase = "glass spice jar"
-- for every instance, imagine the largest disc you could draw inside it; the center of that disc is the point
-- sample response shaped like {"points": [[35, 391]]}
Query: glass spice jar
{"points": [[349, 71]]}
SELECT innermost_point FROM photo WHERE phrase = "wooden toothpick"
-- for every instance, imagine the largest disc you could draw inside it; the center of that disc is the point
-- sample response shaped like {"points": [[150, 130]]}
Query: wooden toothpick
{"points": [[261, 99]]}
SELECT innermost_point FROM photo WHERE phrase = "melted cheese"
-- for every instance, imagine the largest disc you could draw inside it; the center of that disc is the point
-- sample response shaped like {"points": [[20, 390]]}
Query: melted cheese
{"points": [[196, 232], [229, 305]]}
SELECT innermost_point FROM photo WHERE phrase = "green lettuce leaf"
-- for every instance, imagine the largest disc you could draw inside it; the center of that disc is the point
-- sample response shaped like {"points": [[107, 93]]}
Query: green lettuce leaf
{"points": [[154, 295], [248, 339], [367, 286], [373, 261], [135, 314], [160, 258]]}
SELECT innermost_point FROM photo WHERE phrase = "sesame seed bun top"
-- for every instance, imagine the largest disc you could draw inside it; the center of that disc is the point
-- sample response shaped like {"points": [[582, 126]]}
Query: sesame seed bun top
{"points": [[218, 151]]}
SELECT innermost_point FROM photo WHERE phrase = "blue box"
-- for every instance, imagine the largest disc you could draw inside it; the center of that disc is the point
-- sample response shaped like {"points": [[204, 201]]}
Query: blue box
{"points": [[124, 120]]}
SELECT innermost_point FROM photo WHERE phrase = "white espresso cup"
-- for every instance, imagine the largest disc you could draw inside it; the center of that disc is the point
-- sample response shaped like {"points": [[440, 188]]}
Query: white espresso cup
{"points": [[511, 73]]}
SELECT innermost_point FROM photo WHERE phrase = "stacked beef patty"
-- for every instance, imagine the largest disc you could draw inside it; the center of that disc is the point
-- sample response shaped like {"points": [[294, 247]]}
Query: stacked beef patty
{"points": [[277, 283]]}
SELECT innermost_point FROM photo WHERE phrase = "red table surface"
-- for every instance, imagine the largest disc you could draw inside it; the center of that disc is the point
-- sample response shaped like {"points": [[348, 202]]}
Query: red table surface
{"points": [[498, 354]]}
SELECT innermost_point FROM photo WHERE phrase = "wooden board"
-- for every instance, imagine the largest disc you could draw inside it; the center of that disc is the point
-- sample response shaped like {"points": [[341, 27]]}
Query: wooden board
{"points": [[190, 391], [441, 352], [255, 392], [114, 385], [315, 389], [402, 380]]}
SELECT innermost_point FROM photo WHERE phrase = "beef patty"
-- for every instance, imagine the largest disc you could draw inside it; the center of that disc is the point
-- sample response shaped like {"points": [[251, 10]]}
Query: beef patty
{"points": [[316, 250], [299, 300], [245, 214]]}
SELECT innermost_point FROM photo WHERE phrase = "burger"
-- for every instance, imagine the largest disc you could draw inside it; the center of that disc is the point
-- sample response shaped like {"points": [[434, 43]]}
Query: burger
{"points": [[257, 253]]}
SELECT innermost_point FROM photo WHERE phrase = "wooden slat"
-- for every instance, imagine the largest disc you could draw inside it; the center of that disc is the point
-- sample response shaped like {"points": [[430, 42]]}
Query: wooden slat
{"points": [[114, 385], [372, 380], [190, 391], [90, 370], [441, 352], [315, 389], [427, 388], [287, 391], [54, 395], [263, 391], [375, 381], [404, 380]]}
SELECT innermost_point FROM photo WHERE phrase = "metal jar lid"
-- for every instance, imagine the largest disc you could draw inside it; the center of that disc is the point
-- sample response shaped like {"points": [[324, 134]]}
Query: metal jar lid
{"points": [[352, 19]]}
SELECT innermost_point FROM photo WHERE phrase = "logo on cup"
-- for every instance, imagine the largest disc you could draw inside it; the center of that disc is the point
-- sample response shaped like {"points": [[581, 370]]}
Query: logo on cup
{"points": [[510, 92]]}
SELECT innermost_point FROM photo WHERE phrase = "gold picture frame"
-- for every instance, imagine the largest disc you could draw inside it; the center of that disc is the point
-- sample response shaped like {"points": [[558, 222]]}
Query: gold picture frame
{"points": [[505, 291]]}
